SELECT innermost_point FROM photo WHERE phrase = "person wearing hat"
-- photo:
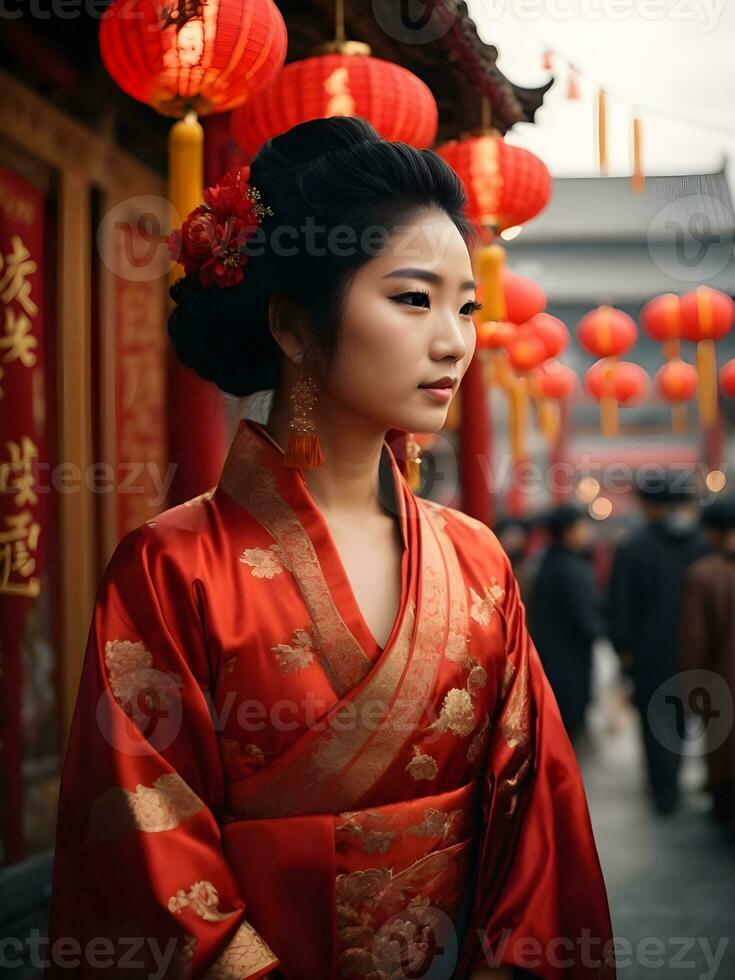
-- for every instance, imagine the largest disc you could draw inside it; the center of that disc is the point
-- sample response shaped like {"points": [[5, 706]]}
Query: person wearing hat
{"points": [[647, 585], [707, 644], [565, 613]]}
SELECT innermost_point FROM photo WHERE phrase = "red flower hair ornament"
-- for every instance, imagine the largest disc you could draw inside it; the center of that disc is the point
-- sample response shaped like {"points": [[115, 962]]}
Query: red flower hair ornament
{"points": [[212, 239]]}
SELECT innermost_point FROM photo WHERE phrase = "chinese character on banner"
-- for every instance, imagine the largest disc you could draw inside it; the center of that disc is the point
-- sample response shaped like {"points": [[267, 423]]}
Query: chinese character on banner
{"points": [[27, 698]]}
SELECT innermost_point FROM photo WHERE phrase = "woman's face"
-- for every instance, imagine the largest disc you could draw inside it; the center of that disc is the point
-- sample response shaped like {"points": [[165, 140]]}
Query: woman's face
{"points": [[407, 322]]}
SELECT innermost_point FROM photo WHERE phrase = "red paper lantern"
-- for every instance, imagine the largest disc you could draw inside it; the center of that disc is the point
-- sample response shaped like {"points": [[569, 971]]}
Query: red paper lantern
{"points": [[727, 379], [505, 184], [495, 334], [526, 351], [524, 298], [706, 314], [555, 380], [552, 333], [397, 103], [676, 381], [661, 318], [628, 381], [201, 55], [606, 332]]}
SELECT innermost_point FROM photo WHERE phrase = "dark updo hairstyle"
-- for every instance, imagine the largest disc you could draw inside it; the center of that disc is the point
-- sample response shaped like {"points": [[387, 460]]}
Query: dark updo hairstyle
{"points": [[330, 173]]}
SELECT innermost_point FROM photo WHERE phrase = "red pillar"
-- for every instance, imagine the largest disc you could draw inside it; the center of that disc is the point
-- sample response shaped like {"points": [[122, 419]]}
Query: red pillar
{"points": [[476, 446]]}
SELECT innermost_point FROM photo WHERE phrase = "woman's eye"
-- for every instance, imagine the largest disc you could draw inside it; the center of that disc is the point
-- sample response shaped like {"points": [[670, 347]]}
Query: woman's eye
{"points": [[469, 309], [422, 298]]}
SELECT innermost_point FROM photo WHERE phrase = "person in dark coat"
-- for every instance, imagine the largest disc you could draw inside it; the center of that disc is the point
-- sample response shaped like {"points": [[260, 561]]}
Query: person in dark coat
{"points": [[647, 585], [707, 644], [565, 613]]}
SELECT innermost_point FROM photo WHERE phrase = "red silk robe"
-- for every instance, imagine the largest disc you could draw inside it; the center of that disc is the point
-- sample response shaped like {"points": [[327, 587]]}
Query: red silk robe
{"points": [[253, 785]]}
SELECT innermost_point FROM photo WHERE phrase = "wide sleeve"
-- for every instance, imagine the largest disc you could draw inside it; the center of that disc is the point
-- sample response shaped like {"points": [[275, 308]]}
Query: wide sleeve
{"points": [[141, 886], [539, 902]]}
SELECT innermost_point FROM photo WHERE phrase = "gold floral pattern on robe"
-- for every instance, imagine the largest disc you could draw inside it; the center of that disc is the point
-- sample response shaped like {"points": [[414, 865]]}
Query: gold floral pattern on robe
{"points": [[238, 762], [203, 899], [435, 823], [131, 674], [263, 562], [484, 606], [516, 717], [151, 809], [456, 648], [246, 953], [371, 841], [457, 713], [299, 654], [422, 765], [386, 920]]}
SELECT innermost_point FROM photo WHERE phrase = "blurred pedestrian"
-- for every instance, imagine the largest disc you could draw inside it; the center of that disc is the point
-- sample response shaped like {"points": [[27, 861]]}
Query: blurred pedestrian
{"points": [[707, 643], [645, 600], [512, 533], [565, 612]]}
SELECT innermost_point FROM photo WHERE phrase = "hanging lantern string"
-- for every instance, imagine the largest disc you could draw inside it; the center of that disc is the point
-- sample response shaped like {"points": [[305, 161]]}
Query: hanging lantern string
{"points": [[339, 20], [552, 53]]}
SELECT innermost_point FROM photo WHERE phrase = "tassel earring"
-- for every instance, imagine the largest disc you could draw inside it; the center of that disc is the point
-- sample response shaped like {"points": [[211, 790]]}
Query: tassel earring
{"points": [[413, 462], [304, 449]]}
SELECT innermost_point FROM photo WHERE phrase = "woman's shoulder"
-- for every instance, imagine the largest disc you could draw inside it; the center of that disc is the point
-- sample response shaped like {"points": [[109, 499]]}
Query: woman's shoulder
{"points": [[171, 539], [472, 539]]}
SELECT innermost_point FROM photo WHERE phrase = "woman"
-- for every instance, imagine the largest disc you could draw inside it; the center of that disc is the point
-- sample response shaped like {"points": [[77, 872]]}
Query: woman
{"points": [[313, 739]]}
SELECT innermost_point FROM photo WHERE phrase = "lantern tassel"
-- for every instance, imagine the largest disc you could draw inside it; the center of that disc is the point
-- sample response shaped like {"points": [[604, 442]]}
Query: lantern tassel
{"points": [[602, 130], [637, 180], [185, 171], [517, 412], [679, 417], [608, 403], [707, 382]]}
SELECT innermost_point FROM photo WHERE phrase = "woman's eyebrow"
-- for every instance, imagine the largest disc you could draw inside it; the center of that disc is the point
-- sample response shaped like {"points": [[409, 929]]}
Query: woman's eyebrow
{"points": [[426, 275]]}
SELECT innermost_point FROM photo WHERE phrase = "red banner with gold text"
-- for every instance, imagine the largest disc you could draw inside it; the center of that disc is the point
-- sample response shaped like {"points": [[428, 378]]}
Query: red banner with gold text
{"points": [[23, 502]]}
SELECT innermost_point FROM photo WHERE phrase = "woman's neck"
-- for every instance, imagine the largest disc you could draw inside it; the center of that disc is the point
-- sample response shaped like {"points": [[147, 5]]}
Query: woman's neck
{"points": [[347, 482]]}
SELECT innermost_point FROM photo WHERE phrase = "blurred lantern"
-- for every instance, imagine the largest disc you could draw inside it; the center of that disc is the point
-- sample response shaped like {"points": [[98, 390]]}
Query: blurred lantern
{"points": [[340, 79], [494, 334], [661, 320], [727, 379], [552, 382], [191, 57], [555, 380], [524, 298], [707, 315], [506, 185], [676, 382], [613, 383], [550, 330], [606, 332], [526, 351]]}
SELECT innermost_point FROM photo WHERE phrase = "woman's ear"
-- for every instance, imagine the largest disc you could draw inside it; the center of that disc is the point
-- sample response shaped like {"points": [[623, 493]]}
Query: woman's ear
{"points": [[290, 327]]}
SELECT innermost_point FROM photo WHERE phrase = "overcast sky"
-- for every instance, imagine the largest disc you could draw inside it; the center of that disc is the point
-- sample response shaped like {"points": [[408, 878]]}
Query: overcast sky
{"points": [[674, 55]]}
